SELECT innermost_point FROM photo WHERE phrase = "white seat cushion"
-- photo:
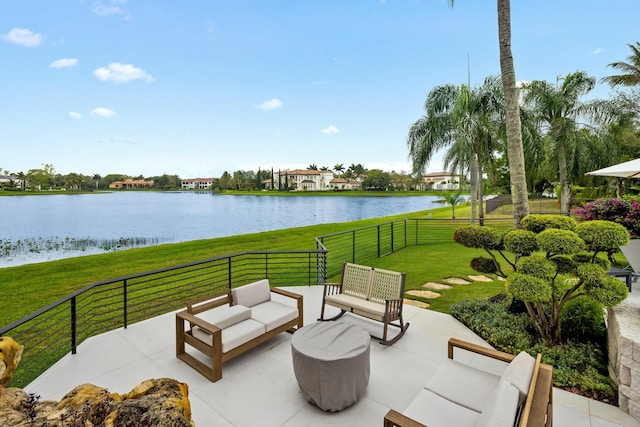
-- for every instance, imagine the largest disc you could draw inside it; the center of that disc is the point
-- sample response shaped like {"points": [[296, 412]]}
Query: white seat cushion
{"points": [[234, 335], [225, 316], [252, 294], [502, 407], [462, 384], [435, 411], [519, 373], [273, 314], [357, 305]]}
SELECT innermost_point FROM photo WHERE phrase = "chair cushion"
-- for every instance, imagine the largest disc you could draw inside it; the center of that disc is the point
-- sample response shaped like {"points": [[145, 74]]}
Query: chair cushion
{"points": [[502, 408], [273, 314], [357, 305], [434, 411], [519, 373], [462, 384], [225, 316], [234, 335], [252, 294]]}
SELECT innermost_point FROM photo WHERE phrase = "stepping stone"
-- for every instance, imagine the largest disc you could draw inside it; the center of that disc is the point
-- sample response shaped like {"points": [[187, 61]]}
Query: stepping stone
{"points": [[456, 281], [436, 286], [480, 278], [502, 279], [416, 303], [424, 294]]}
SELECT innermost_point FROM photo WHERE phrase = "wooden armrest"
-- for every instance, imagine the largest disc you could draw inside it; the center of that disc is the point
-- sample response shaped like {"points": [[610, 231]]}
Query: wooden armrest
{"points": [[193, 320], [286, 293], [394, 418], [478, 349]]}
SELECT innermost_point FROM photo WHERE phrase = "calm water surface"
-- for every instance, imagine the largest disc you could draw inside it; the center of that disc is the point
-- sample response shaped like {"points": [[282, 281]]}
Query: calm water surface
{"points": [[170, 217]]}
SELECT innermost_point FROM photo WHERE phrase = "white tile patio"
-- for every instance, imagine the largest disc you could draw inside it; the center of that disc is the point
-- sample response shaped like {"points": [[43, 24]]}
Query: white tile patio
{"points": [[259, 388]]}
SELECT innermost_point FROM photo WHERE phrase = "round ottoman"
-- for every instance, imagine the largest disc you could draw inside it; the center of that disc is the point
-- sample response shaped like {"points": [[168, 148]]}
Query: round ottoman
{"points": [[331, 363]]}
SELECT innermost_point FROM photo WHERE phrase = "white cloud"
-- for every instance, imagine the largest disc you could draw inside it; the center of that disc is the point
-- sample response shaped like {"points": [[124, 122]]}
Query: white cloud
{"points": [[598, 51], [272, 104], [74, 115], [121, 73], [110, 8], [330, 130], [23, 37], [64, 63], [102, 112]]}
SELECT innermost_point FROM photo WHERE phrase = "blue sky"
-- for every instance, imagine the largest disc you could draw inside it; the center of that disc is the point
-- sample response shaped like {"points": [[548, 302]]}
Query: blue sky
{"points": [[194, 88]]}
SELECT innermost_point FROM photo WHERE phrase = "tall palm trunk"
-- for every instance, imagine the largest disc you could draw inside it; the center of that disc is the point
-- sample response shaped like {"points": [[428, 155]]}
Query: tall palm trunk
{"points": [[565, 185], [515, 151], [473, 171]]}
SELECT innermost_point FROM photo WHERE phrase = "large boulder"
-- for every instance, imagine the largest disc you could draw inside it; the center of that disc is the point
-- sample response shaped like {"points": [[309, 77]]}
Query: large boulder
{"points": [[10, 354]]}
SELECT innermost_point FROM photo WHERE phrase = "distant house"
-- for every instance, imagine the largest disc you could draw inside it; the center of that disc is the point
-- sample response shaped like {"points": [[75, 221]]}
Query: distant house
{"points": [[304, 180], [441, 181], [198, 183], [344, 184], [130, 183]]}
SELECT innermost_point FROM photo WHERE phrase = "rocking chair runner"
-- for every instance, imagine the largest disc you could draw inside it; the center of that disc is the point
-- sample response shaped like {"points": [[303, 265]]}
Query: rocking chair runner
{"points": [[369, 292]]}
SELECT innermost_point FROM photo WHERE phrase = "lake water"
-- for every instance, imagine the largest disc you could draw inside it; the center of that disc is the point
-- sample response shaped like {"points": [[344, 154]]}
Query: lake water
{"points": [[62, 226]]}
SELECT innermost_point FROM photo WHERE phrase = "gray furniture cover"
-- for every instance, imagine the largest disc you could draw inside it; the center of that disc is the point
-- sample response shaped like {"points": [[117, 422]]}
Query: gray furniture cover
{"points": [[331, 363]]}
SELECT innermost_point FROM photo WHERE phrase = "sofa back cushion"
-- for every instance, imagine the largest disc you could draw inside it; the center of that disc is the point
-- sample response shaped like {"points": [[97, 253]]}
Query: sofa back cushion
{"points": [[519, 373], [502, 408], [252, 294]]}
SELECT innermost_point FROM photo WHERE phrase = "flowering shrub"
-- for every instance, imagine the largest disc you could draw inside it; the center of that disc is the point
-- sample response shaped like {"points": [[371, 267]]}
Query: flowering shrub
{"points": [[623, 212]]}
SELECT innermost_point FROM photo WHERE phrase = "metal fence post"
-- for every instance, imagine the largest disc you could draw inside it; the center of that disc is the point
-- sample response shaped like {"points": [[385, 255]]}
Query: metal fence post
{"points": [[74, 330], [125, 302], [378, 240]]}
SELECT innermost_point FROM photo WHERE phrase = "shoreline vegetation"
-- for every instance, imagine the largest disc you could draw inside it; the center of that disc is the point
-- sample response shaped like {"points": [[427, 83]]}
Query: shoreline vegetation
{"points": [[347, 193]]}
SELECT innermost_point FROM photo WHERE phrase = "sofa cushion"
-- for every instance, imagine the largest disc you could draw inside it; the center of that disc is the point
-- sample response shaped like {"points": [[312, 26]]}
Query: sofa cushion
{"points": [[434, 411], [462, 384], [519, 373], [502, 408], [225, 316], [252, 294], [234, 335], [273, 314]]}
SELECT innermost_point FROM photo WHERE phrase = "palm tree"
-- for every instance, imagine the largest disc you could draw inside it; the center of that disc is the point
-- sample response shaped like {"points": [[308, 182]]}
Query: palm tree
{"points": [[453, 200], [515, 151], [630, 70], [558, 108], [339, 168], [313, 167], [465, 122]]}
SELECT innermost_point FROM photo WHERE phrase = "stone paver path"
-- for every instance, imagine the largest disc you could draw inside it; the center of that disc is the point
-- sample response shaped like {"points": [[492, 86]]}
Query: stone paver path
{"points": [[436, 286], [480, 278], [456, 281], [424, 294], [416, 303]]}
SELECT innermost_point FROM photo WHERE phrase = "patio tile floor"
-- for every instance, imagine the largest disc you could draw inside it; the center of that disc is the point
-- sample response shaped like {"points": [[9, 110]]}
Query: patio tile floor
{"points": [[259, 388]]}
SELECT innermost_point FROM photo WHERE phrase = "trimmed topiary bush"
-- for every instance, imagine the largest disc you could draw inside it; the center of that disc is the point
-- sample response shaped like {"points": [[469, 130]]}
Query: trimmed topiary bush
{"points": [[583, 320], [540, 279]]}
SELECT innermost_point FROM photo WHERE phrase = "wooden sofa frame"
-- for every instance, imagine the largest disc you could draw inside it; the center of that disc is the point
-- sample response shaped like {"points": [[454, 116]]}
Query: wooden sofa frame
{"points": [[382, 287], [214, 351], [538, 407]]}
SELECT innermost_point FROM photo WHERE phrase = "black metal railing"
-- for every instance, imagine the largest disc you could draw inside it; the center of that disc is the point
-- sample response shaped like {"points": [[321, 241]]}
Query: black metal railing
{"points": [[58, 329], [375, 241]]}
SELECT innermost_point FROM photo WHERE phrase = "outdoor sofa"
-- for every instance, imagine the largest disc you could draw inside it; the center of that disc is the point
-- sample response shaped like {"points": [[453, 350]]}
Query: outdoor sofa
{"points": [[225, 325]]}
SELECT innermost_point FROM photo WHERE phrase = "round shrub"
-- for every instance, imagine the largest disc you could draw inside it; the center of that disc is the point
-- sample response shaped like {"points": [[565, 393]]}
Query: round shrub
{"points": [[528, 288], [559, 242], [584, 257], [475, 236], [564, 264], [520, 242], [602, 236], [609, 291], [537, 223], [537, 266], [484, 265], [582, 319]]}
